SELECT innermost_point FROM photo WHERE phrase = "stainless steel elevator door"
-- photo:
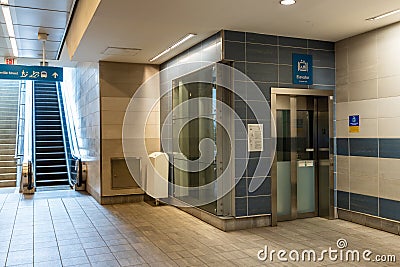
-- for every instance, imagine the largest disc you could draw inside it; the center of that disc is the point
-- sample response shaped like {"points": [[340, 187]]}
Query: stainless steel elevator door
{"points": [[302, 160]]}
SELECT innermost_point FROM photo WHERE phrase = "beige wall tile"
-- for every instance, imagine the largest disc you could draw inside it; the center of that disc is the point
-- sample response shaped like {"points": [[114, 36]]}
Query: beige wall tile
{"points": [[368, 129], [364, 175], [389, 127], [363, 90], [342, 93], [342, 112], [389, 179], [364, 166], [362, 51], [343, 181], [364, 185], [114, 103], [389, 107], [367, 73], [389, 86], [342, 129], [367, 109]]}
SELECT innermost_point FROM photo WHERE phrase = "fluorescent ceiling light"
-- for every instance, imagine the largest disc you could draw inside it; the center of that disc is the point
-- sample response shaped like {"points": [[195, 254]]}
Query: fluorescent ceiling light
{"points": [[181, 41], [10, 27], [385, 15], [288, 2]]}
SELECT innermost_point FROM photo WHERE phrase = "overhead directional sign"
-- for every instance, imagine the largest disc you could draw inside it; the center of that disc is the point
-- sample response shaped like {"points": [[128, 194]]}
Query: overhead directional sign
{"points": [[35, 73]]}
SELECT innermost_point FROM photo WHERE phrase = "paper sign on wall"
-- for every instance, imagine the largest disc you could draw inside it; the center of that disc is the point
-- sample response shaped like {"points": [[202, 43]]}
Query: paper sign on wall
{"points": [[255, 137], [354, 124]]}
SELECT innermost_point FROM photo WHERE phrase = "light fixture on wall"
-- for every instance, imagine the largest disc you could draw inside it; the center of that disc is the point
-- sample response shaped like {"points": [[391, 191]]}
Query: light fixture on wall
{"points": [[10, 27], [181, 41], [384, 15], [288, 2]]}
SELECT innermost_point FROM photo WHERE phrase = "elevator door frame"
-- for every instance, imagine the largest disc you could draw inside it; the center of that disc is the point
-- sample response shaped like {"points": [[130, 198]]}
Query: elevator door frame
{"points": [[292, 92]]}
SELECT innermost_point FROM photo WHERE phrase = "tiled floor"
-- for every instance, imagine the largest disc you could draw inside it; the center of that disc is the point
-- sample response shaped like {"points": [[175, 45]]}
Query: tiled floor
{"points": [[70, 229]]}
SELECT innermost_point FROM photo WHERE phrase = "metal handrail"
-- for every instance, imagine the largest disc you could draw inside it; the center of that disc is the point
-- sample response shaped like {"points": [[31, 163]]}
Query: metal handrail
{"points": [[32, 147], [19, 135], [63, 130], [69, 132]]}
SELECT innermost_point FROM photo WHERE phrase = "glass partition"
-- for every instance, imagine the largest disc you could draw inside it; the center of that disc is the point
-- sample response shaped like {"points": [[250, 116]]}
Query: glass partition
{"points": [[196, 138]]}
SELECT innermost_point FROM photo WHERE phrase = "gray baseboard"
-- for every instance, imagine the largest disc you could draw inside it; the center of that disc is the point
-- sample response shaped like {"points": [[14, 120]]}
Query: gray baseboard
{"points": [[370, 221], [229, 223]]}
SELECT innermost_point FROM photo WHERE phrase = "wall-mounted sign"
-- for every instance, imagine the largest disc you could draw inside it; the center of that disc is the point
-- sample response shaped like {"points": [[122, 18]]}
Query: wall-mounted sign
{"points": [[35, 73], [302, 69], [354, 124], [9, 61], [255, 137]]}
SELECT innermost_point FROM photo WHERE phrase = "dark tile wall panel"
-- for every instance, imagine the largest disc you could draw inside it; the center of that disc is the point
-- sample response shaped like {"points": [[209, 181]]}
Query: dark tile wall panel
{"points": [[343, 200], [364, 204], [389, 209], [268, 62]]}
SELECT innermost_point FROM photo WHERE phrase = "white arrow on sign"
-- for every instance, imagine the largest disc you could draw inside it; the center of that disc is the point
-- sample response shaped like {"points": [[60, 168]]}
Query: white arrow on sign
{"points": [[55, 75]]}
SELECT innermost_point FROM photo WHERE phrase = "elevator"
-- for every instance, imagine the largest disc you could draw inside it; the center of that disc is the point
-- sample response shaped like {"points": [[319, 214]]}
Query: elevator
{"points": [[302, 170]]}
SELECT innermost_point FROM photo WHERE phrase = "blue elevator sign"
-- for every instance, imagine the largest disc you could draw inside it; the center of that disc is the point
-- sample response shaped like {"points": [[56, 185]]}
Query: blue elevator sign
{"points": [[302, 69], [35, 73]]}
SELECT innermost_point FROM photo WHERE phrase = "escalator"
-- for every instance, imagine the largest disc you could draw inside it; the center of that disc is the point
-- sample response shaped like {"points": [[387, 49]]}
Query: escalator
{"points": [[50, 164]]}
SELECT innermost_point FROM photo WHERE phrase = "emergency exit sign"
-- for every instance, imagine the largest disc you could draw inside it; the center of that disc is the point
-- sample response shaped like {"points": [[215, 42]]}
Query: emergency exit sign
{"points": [[10, 61]]}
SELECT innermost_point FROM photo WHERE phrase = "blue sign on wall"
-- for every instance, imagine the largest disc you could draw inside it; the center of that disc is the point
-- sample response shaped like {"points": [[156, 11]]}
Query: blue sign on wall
{"points": [[302, 69], [35, 73], [354, 120], [354, 124]]}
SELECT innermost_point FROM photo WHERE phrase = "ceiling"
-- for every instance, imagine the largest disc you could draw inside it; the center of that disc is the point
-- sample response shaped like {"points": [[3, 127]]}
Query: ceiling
{"points": [[153, 25], [31, 17]]}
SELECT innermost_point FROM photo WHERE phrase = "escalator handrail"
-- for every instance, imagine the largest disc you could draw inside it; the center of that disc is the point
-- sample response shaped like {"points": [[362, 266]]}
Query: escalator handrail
{"points": [[68, 123], [19, 135], [32, 139], [63, 125]]}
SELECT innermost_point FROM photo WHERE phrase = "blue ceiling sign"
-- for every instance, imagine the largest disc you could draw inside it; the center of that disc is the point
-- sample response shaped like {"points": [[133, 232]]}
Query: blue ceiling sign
{"points": [[302, 69], [35, 73]]}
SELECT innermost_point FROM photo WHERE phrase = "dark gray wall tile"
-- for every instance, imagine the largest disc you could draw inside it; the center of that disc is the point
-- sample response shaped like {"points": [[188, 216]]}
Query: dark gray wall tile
{"points": [[262, 72], [289, 41], [343, 200], [240, 109], [259, 205], [364, 147], [241, 206], [342, 145], [234, 51], [261, 38], [364, 204], [323, 58], [234, 36], [324, 76], [389, 209], [285, 74], [240, 66], [241, 187], [240, 168], [321, 45], [261, 53], [263, 190], [285, 54], [389, 148]]}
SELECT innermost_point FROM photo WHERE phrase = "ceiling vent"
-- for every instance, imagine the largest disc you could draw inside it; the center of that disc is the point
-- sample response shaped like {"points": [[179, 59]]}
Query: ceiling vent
{"points": [[121, 51]]}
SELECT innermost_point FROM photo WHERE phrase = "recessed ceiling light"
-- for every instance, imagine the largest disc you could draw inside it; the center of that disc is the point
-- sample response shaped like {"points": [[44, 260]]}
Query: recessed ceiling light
{"points": [[181, 41], [288, 2], [385, 15]]}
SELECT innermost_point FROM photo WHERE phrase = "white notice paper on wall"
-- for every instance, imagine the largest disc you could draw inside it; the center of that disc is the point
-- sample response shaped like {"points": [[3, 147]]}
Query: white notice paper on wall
{"points": [[255, 137]]}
